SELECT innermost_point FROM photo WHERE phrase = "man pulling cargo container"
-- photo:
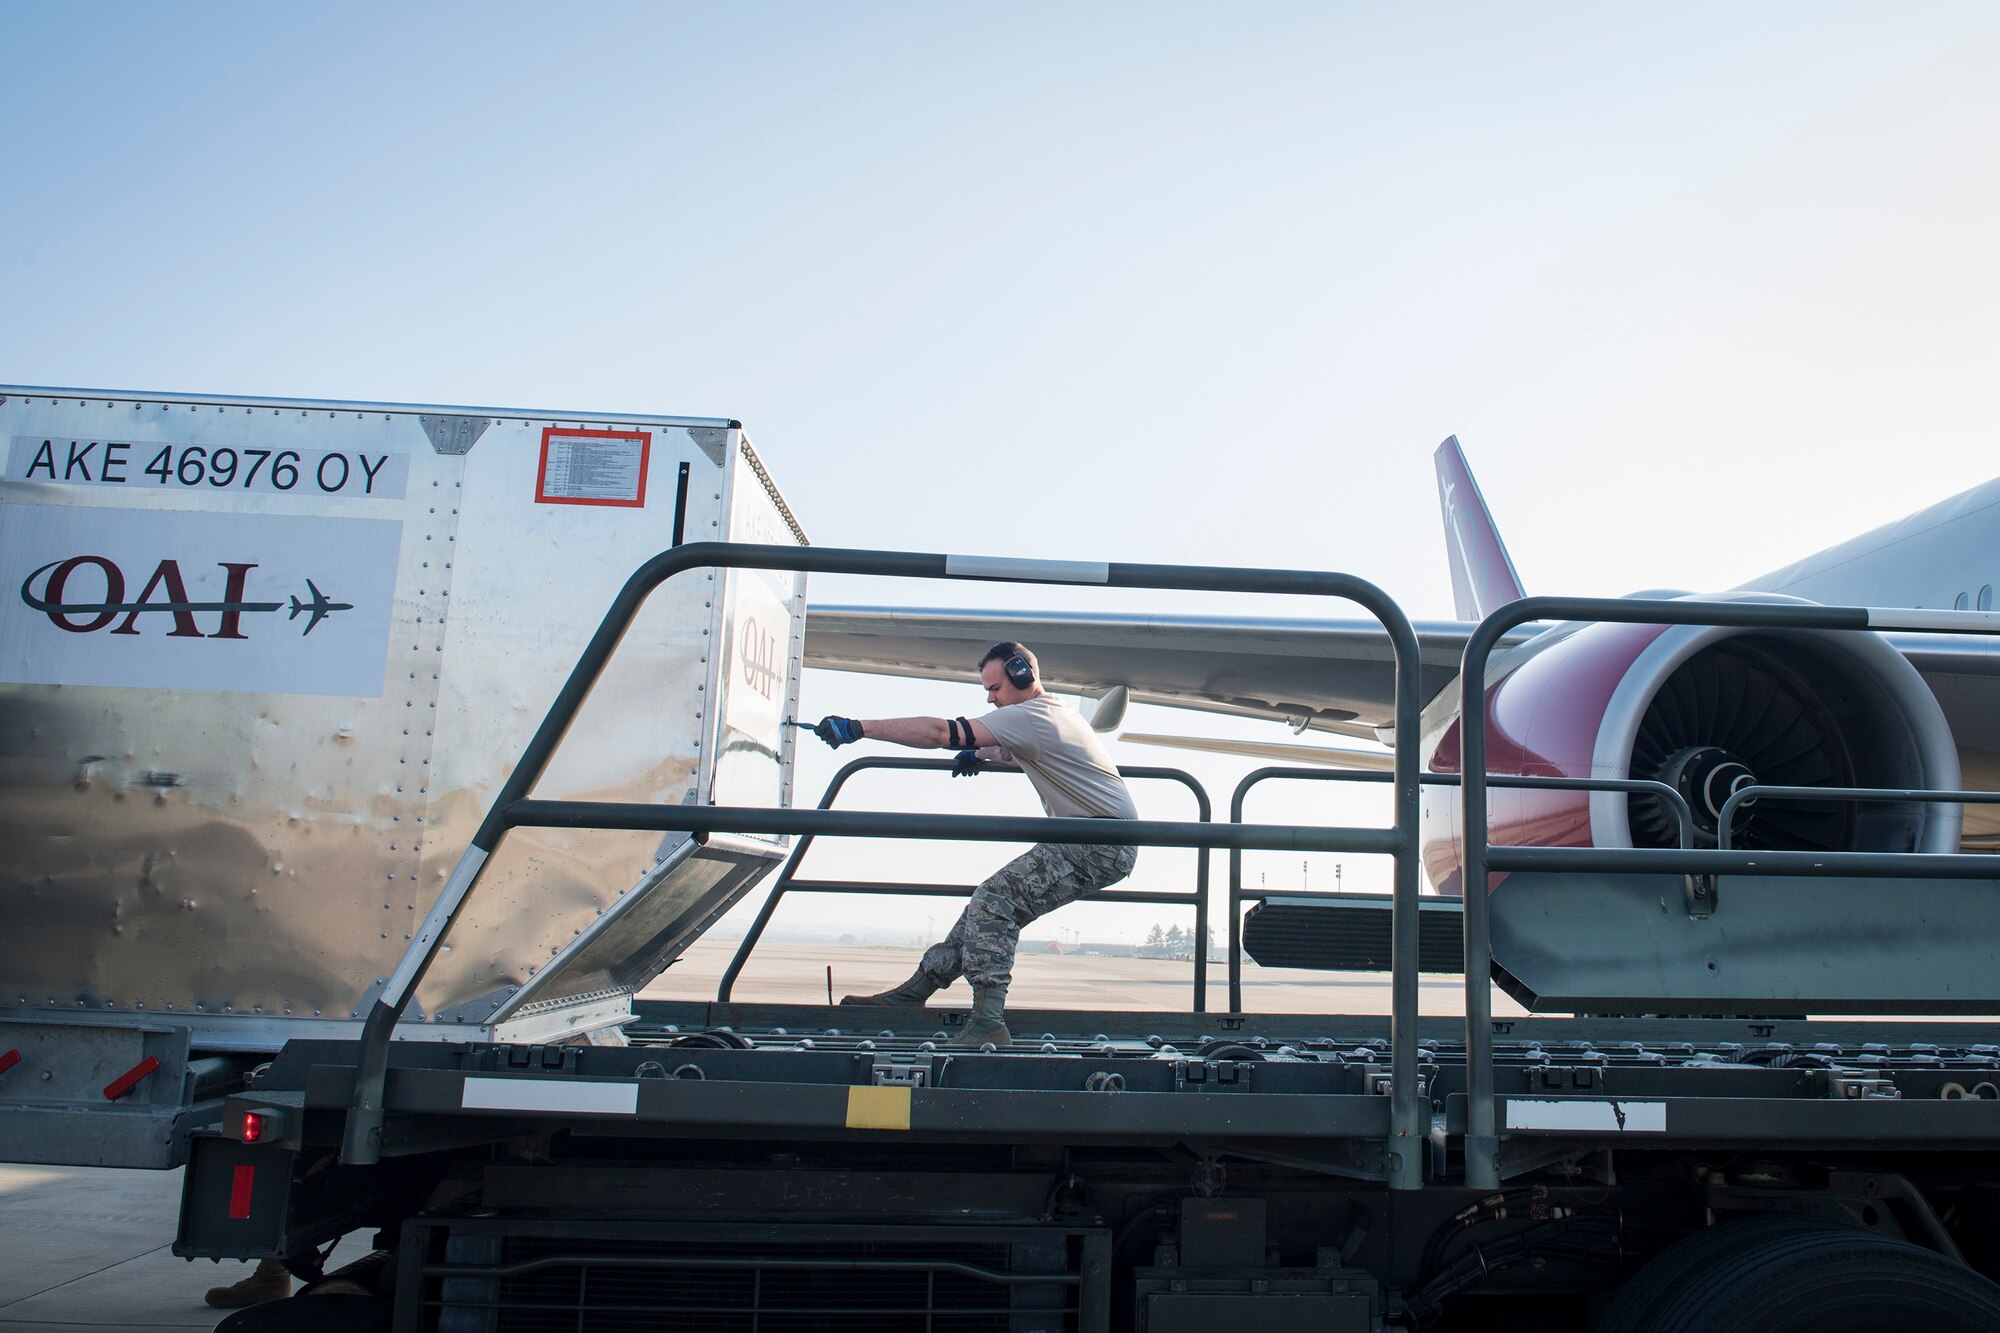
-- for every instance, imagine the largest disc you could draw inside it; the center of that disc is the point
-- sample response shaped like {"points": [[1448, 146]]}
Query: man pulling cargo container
{"points": [[1029, 728]]}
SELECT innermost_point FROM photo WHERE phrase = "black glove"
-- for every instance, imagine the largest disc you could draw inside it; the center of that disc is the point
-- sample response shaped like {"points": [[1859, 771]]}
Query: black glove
{"points": [[838, 731], [966, 765]]}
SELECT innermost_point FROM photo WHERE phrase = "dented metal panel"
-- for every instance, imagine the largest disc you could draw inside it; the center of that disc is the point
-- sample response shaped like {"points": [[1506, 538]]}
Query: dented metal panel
{"points": [[263, 662]]}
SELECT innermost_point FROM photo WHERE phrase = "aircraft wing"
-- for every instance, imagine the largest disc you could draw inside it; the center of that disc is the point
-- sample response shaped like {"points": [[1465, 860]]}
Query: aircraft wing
{"points": [[1329, 675], [1964, 673]]}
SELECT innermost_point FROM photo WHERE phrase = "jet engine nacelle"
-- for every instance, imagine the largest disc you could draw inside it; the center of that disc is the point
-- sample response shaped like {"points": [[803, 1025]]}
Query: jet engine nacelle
{"points": [[1707, 710]]}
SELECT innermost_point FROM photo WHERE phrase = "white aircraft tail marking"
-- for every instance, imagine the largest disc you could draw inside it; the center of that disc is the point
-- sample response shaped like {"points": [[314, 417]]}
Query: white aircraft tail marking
{"points": [[1482, 573]]}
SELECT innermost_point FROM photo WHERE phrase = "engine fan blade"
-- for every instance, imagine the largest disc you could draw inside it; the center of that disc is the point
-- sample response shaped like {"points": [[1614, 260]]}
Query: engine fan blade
{"points": [[1739, 703]]}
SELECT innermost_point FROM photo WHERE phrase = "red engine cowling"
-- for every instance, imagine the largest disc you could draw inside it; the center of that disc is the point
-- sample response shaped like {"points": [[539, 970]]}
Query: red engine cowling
{"points": [[1706, 710]]}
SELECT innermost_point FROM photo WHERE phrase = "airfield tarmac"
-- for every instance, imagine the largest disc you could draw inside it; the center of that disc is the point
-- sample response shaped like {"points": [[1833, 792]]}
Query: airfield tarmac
{"points": [[89, 1249]]}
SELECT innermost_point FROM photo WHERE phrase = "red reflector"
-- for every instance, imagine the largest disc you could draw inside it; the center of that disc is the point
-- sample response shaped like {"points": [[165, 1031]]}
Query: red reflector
{"points": [[239, 1192], [9, 1060], [253, 1127], [129, 1080]]}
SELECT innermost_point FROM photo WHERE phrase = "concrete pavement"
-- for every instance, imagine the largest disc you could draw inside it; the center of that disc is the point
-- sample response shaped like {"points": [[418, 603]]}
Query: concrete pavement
{"points": [[88, 1248]]}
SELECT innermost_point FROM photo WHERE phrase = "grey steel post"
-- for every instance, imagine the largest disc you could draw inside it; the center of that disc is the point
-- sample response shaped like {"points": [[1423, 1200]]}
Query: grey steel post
{"points": [[1409, 1110], [1482, 1145]]}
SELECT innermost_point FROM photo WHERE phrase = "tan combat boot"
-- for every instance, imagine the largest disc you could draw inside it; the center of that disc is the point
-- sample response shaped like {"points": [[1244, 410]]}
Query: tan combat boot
{"points": [[909, 994], [987, 1021], [269, 1283]]}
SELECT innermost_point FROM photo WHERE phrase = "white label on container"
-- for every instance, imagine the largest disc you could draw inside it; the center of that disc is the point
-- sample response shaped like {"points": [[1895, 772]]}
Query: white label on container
{"points": [[593, 467], [756, 689], [187, 600], [365, 474], [533, 1094], [1589, 1115]]}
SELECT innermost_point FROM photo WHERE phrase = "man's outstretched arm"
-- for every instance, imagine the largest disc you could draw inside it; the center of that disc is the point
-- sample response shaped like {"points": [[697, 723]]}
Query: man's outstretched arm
{"points": [[919, 733]]}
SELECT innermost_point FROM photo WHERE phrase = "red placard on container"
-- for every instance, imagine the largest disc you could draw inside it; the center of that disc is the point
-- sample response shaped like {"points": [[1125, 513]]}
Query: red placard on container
{"points": [[593, 467]]}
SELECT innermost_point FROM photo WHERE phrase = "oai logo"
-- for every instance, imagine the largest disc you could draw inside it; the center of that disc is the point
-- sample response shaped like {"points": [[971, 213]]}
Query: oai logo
{"points": [[86, 593]]}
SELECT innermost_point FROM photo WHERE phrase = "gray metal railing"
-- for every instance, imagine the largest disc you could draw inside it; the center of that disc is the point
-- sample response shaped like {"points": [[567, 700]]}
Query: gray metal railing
{"points": [[1743, 796], [1482, 858], [788, 881], [1409, 1116], [1684, 820]]}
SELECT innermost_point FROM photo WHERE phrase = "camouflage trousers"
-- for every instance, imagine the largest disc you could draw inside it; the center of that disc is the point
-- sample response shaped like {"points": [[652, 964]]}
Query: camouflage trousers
{"points": [[981, 945]]}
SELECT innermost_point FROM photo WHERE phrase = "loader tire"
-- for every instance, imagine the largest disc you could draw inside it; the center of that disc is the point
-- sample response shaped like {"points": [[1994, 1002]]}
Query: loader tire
{"points": [[1792, 1275]]}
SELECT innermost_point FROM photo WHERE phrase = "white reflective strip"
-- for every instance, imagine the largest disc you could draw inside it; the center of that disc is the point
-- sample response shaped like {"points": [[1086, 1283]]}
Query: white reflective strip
{"points": [[1587, 1113], [533, 1094], [1048, 571], [454, 890], [1902, 617]]}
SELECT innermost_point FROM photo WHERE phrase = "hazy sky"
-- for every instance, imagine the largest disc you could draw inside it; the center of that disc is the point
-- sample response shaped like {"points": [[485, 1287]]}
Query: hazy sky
{"points": [[1701, 287]]}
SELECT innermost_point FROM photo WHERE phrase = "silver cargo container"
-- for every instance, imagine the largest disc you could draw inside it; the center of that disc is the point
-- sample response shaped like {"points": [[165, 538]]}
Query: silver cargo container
{"points": [[262, 665]]}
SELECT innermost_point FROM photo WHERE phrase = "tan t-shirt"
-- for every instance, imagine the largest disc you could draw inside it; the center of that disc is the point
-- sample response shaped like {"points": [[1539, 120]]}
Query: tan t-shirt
{"points": [[1061, 756]]}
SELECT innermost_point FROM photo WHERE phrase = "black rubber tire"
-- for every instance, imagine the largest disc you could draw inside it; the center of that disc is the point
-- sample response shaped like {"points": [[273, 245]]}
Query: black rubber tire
{"points": [[312, 1314], [1632, 1309], [1791, 1275]]}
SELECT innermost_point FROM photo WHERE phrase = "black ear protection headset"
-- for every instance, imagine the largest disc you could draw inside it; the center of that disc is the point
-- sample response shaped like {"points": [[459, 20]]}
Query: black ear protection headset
{"points": [[1020, 674]]}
